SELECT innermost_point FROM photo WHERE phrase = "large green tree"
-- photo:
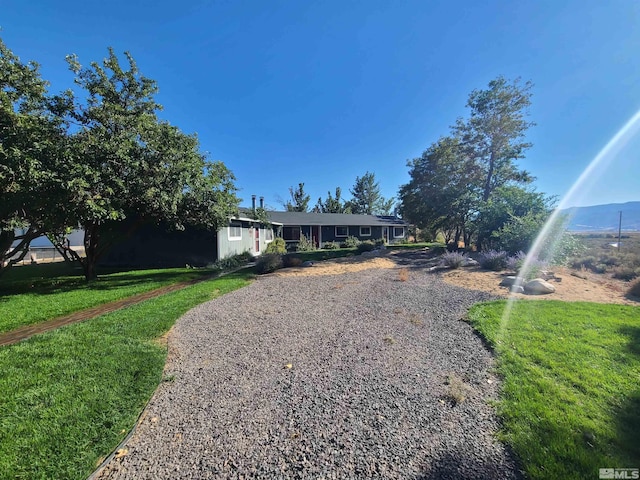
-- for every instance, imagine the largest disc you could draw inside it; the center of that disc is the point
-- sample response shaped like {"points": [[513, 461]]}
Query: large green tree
{"points": [[33, 150], [454, 181], [299, 201], [129, 163], [332, 204], [441, 195], [367, 198], [494, 134]]}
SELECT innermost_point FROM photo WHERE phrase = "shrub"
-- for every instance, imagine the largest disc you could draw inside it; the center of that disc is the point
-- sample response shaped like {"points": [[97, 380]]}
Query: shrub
{"points": [[269, 262], [291, 260], [634, 291], [515, 262], [232, 261], [493, 260], [331, 245], [626, 273], [305, 245], [351, 242], [366, 246], [277, 246], [533, 269], [379, 242], [453, 259], [403, 274]]}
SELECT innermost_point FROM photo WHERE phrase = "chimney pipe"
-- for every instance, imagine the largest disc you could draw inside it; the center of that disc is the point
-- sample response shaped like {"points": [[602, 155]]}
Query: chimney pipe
{"points": [[262, 203], [253, 203]]}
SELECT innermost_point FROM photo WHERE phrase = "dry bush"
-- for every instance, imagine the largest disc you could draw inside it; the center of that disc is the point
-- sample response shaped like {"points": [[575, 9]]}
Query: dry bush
{"points": [[457, 390], [416, 319], [634, 290], [403, 275], [389, 339]]}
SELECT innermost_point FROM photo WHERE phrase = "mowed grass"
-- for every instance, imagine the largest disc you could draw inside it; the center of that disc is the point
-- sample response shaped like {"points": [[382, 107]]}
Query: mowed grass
{"points": [[68, 397], [35, 293], [570, 400]]}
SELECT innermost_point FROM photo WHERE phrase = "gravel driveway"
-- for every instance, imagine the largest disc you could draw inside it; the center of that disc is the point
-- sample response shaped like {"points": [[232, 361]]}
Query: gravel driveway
{"points": [[358, 375]]}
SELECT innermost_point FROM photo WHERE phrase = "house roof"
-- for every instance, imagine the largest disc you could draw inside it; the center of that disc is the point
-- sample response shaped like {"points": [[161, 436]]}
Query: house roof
{"points": [[245, 215], [342, 219]]}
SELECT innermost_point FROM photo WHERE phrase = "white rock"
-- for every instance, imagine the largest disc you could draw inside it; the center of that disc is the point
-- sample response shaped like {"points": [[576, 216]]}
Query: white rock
{"points": [[538, 286]]}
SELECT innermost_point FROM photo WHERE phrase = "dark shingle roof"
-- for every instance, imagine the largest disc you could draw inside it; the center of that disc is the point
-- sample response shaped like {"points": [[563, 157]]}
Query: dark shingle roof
{"points": [[343, 219]]}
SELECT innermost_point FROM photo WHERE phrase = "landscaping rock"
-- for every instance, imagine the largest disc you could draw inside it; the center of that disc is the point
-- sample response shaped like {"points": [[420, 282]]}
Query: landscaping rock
{"points": [[538, 286], [437, 268], [308, 263], [470, 262], [512, 280], [517, 289]]}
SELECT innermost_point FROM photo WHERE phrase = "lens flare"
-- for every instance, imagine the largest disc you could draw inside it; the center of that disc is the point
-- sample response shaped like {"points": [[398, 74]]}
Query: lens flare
{"points": [[545, 241]]}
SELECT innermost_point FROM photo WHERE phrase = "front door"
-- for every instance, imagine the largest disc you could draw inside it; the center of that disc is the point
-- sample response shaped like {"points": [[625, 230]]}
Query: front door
{"points": [[315, 235], [385, 234], [257, 237]]}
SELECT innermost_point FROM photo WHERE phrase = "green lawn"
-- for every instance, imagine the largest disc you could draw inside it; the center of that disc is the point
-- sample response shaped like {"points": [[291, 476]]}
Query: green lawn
{"points": [[32, 294], [570, 400], [68, 397]]}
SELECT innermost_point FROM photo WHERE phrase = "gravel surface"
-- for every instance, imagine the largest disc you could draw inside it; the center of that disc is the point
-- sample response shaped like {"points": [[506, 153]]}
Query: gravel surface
{"points": [[358, 375]]}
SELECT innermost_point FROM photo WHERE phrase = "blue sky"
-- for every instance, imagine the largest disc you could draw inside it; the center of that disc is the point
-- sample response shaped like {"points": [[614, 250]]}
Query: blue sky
{"points": [[321, 92]]}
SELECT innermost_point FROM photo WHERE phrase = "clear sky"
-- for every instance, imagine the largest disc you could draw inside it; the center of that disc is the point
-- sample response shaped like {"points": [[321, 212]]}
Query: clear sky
{"points": [[322, 91]]}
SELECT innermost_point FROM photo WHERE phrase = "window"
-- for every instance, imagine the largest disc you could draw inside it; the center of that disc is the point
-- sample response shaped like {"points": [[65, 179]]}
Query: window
{"points": [[235, 231], [268, 235], [342, 231], [291, 234], [398, 232], [365, 231]]}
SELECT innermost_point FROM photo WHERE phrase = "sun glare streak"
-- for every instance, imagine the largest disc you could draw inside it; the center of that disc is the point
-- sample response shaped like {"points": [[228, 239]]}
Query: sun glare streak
{"points": [[600, 162]]}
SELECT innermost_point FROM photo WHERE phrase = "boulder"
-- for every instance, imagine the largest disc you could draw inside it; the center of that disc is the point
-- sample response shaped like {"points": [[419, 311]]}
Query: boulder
{"points": [[517, 289], [512, 280], [307, 264], [538, 286], [470, 262]]}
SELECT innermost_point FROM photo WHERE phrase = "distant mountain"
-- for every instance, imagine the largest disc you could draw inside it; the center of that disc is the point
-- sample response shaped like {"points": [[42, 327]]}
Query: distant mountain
{"points": [[604, 217]]}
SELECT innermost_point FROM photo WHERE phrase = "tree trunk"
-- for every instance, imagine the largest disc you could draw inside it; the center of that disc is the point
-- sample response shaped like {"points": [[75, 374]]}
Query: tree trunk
{"points": [[7, 237], [487, 184], [91, 238]]}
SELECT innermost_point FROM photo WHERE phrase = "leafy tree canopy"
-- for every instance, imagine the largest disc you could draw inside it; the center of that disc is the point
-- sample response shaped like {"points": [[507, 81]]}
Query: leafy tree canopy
{"points": [[454, 182], [367, 198], [33, 149], [299, 200], [332, 204], [103, 156]]}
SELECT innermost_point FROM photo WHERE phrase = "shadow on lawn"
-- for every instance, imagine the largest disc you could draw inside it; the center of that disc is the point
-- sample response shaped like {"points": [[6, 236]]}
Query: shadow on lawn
{"points": [[73, 279], [628, 430], [628, 418], [634, 338]]}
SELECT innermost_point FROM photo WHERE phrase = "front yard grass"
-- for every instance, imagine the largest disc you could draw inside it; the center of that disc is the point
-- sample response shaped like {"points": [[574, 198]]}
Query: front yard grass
{"points": [[33, 294], [570, 401], [68, 397]]}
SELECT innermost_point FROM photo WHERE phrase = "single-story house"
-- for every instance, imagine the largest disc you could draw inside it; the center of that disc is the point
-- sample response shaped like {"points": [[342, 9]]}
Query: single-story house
{"points": [[153, 245], [336, 227]]}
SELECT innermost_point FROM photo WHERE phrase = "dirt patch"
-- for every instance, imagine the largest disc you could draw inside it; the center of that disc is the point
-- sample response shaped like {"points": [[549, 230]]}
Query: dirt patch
{"points": [[571, 286], [339, 266]]}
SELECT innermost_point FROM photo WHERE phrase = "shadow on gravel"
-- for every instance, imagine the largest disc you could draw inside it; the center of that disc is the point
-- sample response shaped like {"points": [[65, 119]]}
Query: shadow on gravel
{"points": [[414, 259], [462, 465]]}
